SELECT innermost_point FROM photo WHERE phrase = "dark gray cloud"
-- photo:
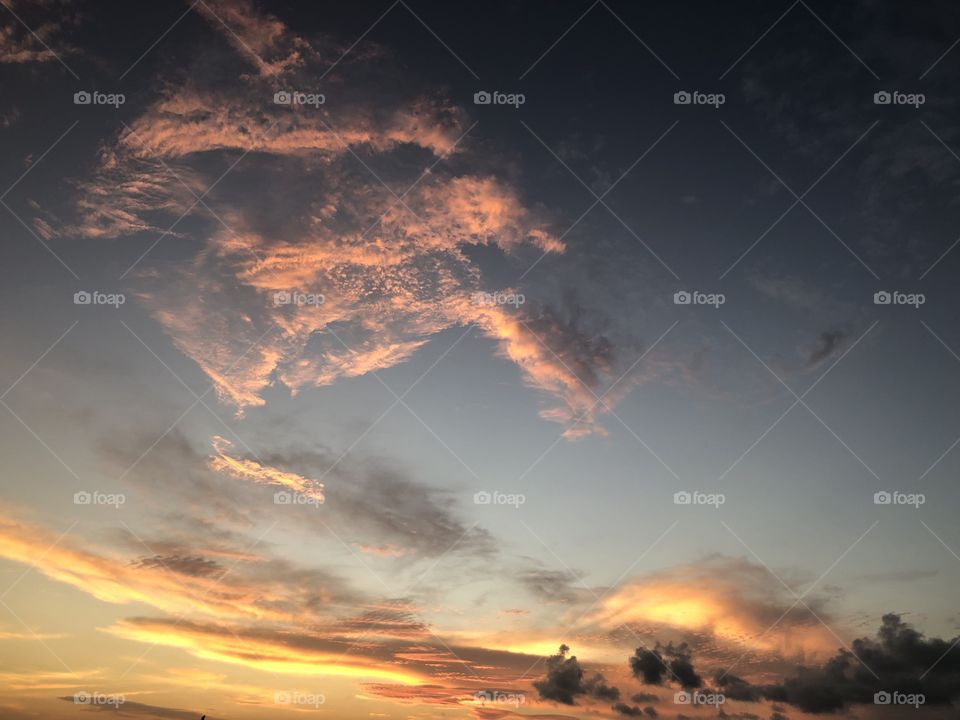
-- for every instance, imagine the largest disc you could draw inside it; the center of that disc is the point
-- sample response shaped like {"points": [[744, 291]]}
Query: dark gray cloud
{"points": [[653, 666], [553, 586], [903, 659], [565, 681], [634, 710], [192, 565]]}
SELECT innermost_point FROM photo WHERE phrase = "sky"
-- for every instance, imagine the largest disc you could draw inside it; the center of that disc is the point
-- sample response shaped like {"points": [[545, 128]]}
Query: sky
{"points": [[486, 360]]}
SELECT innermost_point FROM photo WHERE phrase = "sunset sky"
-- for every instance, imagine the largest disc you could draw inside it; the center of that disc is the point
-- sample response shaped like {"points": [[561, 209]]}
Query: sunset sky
{"points": [[377, 359]]}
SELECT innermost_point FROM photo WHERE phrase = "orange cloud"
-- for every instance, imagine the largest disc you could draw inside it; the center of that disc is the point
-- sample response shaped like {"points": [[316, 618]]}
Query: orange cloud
{"points": [[245, 469], [738, 603], [262, 650], [244, 590]]}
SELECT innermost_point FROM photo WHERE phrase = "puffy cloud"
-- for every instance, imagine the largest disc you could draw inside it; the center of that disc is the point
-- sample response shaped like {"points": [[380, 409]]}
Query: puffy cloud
{"points": [[898, 659], [565, 681], [652, 666]]}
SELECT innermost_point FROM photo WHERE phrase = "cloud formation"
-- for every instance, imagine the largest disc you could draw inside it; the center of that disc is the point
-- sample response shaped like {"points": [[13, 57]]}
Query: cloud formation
{"points": [[387, 271], [566, 681], [898, 659]]}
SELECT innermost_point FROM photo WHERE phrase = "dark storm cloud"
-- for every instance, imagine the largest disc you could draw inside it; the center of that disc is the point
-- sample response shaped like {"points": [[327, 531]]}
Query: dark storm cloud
{"points": [[565, 683], [904, 660], [653, 666]]}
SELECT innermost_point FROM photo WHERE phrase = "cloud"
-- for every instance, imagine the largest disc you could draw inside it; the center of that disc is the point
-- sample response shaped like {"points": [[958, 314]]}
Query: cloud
{"points": [[651, 666], [18, 45], [565, 683], [260, 37], [729, 603], [247, 469], [369, 503], [302, 212], [552, 586], [828, 344], [634, 711], [267, 590], [193, 565], [903, 659]]}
